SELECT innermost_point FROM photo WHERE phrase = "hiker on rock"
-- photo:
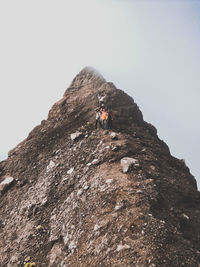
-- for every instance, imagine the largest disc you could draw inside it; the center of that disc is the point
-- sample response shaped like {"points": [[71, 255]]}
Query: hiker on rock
{"points": [[110, 117], [101, 99], [104, 117], [98, 117]]}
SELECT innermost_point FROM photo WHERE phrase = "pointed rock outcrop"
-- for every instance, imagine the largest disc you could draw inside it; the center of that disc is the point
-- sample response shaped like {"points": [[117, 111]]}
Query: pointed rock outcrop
{"points": [[73, 204]]}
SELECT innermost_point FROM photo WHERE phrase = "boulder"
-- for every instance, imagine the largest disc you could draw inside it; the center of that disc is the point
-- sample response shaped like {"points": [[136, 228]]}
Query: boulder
{"points": [[76, 135], [113, 136], [127, 163], [8, 181]]}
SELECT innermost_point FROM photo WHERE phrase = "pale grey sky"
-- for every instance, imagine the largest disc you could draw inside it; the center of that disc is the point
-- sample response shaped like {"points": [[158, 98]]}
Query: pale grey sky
{"points": [[150, 49]]}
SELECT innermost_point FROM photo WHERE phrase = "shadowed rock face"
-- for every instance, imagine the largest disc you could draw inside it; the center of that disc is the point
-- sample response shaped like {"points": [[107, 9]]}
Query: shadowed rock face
{"points": [[72, 203]]}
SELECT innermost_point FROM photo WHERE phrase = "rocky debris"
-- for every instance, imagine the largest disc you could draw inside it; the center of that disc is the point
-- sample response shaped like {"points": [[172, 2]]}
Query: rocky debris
{"points": [[51, 165], [76, 135], [114, 136], [127, 163], [122, 247], [119, 206], [73, 205], [70, 171], [116, 147], [6, 183], [184, 216]]}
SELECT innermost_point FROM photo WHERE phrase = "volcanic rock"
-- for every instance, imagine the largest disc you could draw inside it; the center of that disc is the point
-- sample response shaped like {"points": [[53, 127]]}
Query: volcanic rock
{"points": [[72, 205]]}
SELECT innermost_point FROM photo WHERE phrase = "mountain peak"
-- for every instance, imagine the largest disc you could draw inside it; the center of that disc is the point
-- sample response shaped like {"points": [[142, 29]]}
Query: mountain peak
{"points": [[74, 195], [89, 70], [87, 76]]}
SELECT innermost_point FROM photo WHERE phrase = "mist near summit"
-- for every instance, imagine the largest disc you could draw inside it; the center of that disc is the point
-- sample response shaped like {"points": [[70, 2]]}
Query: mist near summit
{"points": [[149, 49]]}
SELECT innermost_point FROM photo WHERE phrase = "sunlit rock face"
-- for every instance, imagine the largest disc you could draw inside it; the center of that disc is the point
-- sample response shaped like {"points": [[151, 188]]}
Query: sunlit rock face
{"points": [[81, 196]]}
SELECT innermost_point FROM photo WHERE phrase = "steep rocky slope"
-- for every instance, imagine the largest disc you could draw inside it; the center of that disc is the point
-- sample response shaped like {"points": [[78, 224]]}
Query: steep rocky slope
{"points": [[69, 200]]}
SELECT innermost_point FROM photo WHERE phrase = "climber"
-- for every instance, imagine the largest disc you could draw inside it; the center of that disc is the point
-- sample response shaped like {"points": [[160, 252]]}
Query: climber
{"points": [[104, 117], [101, 99], [98, 117], [110, 117]]}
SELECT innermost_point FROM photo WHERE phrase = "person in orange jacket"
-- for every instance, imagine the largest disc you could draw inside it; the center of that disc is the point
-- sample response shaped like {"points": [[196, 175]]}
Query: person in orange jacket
{"points": [[104, 117]]}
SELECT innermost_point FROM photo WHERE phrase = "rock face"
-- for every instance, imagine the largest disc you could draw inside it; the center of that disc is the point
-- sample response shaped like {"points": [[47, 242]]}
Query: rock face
{"points": [[72, 204]]}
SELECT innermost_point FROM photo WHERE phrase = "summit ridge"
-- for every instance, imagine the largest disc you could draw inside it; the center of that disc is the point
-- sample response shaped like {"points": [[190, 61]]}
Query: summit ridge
{"points": [[87, 76]]}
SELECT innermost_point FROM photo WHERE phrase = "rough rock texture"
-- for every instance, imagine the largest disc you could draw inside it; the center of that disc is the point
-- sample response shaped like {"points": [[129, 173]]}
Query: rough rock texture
{"points": [[72, 205]]}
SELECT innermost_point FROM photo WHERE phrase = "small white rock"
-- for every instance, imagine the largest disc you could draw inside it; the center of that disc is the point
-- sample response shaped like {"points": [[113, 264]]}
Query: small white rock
{"points": [[75, 135], [80, 191], [139, 191], [95, 161], [44, 201], [85, 187], [118, 207], [183, 215], [121, 247], [70, 171], [153, 168], [96, 227], [113, 136], [66, 240], [109, 181], [51, 165], [142, 232]]}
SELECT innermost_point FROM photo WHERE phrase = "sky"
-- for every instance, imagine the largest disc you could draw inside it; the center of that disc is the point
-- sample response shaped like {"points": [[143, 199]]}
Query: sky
{"points": [[149, 49]]}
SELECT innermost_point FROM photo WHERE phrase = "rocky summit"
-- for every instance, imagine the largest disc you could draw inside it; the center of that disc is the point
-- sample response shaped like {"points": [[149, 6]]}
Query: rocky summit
{"points": [[72, 195]]}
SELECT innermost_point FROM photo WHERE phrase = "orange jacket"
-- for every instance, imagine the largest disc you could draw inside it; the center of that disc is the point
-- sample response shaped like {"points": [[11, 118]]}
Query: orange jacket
{"points": [[104, 115]]}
